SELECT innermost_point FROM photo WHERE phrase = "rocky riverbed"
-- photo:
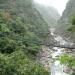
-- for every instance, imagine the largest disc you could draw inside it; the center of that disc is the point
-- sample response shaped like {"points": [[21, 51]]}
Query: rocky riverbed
{"points": [[44, 57], [47, 57]]}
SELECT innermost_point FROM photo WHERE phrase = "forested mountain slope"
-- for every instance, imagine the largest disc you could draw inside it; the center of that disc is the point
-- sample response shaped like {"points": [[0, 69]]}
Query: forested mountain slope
{"points": [[28, 13], [65, 22], [50, 14], [22, 28]]}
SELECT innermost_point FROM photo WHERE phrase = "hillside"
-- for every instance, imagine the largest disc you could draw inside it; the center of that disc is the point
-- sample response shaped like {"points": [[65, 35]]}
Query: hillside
{"points": [[22, 29], [50, 14]]}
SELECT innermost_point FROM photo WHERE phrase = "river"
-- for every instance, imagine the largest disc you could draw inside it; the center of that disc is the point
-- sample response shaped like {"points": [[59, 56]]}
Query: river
{"points": [[48, 55], [56, 67]]}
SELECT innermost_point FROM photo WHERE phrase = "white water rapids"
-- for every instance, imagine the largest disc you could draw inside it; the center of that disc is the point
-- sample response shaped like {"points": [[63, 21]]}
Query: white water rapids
{"points": [[57, 68]]}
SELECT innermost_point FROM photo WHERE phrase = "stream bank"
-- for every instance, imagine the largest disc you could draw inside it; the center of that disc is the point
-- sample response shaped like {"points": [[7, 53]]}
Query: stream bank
{"points": [[48, 55]]}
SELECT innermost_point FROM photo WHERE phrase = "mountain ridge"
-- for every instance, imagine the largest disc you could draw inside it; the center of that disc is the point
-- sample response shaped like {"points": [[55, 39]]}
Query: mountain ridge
{"points": [[64, 22], [50, 14]]}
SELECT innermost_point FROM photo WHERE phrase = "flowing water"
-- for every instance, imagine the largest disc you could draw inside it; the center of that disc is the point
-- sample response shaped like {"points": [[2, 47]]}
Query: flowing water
{"points": [[56, 67]]}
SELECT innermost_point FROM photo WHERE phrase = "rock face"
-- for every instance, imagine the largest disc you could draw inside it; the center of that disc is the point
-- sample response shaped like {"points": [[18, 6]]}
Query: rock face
{"points": [[65, 21], [50, 14]]}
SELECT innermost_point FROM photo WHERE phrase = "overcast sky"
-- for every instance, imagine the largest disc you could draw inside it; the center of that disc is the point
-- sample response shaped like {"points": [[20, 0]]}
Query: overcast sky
{"points": [[58, 4]]}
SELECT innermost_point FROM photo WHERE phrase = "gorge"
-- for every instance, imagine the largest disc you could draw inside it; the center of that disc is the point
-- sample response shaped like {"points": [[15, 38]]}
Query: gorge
{"points": [[35, 39]]}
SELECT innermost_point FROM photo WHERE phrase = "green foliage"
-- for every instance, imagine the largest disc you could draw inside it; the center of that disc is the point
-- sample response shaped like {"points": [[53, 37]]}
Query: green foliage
{"points": [[72, 28], [14, 35], [31, 18], [20, 27], [7, 45], [73, 73], [19, 64], [67, 60], [73, 21], [3, 1], [17, 26], [17, 47]]}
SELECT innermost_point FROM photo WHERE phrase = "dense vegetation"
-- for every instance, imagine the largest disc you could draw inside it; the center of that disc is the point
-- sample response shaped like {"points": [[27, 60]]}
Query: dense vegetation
{"points": [[20, 27], [72, 28], [67, 60]]}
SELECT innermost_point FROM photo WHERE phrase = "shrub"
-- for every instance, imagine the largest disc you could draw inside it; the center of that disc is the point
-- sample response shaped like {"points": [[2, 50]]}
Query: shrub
{"points": [[19, 64]]}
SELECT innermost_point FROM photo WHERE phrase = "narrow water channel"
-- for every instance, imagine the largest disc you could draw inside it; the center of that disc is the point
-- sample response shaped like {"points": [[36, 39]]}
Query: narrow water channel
{"points": [[56, 67]]}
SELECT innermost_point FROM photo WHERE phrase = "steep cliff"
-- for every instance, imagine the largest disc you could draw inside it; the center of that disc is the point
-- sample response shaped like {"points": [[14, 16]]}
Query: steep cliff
{"points": [[65, 22]]}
